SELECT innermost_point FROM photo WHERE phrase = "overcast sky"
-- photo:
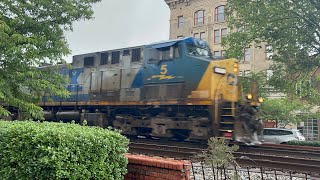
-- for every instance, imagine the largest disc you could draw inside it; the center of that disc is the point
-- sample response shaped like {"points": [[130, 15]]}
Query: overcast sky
{"points": [[120, 23]]}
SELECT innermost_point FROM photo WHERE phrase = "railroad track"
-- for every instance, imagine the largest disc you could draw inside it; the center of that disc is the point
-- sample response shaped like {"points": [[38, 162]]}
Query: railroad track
{"points": [[284, 150], [268, 156]]}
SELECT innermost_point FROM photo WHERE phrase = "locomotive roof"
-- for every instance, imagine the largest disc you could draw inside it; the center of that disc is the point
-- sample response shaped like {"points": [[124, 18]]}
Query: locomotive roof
{"points": [[160, 44], [170, 42]]}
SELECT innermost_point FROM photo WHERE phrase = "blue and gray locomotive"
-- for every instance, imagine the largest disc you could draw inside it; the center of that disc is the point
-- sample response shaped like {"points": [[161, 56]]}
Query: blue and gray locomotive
{"points": [[170, 89]]}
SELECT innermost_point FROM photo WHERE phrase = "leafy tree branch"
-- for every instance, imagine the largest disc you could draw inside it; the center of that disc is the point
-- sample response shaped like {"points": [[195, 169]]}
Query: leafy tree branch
{"points": [[31, 33], [290, 27]]}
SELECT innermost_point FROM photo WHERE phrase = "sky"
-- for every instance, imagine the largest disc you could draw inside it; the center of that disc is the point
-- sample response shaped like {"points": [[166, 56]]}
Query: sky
{"points": [[119, 24]]}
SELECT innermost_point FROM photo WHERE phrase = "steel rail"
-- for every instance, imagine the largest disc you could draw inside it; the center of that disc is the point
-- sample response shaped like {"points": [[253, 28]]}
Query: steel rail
{"points": [[255, 158], [279, 162]]}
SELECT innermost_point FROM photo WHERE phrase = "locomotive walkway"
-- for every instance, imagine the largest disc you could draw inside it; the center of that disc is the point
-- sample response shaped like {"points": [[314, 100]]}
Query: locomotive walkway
{"points": [[281, 157]]}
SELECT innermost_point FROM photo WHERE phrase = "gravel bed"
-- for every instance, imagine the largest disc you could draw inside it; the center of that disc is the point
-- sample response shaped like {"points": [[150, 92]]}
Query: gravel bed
{"points": [[200, 171]]}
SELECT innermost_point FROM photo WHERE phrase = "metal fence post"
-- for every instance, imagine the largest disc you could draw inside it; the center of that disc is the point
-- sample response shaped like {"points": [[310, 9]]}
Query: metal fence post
{"points": [[214, 174], [194, 177], [203, 175], [290, 174], [235, 170], [224, 172]]}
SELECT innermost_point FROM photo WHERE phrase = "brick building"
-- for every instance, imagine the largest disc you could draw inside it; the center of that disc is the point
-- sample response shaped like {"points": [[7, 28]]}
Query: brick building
{"points": [[206, 19]]}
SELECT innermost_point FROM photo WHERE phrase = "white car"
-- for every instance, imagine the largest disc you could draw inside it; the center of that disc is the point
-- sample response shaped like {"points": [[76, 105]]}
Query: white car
{"points": [[281, 136]]}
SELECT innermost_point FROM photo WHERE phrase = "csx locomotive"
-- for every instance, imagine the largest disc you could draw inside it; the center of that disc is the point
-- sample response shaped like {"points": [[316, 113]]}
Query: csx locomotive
{"points": [[170, 89]]}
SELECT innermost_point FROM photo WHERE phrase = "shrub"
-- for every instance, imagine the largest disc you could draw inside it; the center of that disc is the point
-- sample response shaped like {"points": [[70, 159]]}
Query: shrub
{"points": [[305, 143], [34, 150], [219, 153]]}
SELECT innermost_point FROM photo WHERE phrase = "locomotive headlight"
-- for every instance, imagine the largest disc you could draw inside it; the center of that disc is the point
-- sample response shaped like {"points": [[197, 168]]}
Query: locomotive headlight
{"points": [[235, 70], [249, 96], [260, 100], [235, 67]]}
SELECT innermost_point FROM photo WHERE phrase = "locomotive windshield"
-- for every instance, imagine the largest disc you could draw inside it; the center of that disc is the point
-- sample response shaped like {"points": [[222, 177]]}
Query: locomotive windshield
{"points": [[199, 48]]}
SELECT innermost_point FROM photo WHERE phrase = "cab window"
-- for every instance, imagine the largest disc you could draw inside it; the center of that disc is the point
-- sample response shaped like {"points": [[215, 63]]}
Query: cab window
{"points": [[165, 53], [194, 50]]}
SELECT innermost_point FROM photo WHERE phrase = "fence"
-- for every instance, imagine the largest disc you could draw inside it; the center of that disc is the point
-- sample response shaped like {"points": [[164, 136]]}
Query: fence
{"points": [[200, 171]]}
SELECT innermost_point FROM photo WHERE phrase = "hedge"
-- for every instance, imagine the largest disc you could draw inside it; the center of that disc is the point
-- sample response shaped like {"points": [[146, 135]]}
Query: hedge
{"points": [[305, 143], [35, 150]]}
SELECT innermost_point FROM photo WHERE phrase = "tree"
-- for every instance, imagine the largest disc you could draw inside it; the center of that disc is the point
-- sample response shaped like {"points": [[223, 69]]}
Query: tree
{"points": [[259, 78], [290, 27], [32, 33], [286, 111]]}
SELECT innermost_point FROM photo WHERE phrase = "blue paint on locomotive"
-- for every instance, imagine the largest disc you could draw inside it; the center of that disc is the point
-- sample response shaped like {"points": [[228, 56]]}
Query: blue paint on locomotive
{"points": [[138, 80], [183, 69], [74, 85]]}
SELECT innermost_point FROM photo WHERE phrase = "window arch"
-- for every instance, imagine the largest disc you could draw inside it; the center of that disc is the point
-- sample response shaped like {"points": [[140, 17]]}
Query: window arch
{"points": [[199, 17], [219, 15]]}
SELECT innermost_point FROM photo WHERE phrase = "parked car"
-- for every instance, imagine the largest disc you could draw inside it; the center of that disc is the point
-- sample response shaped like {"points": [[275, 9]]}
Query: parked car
{"points": [[281, 136]]}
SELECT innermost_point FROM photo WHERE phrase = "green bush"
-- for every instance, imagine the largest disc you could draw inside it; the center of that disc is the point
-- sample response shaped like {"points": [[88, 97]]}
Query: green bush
{"points": [[305, 143], [34, 150]]}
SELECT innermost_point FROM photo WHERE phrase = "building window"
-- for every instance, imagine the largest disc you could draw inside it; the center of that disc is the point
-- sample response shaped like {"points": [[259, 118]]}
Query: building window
{"points": [[180, 37], [216, 39], [199, 17], [180, 21], [269, 74], [104, 58], [196, 35], [240, 73], [115, 57], [224, 32], [311, 129], [216, 54], [246, 73], [269, 52], [219, 14], [88, 61], [203, 36], [223, 52], [136, 55], [247, 55]]}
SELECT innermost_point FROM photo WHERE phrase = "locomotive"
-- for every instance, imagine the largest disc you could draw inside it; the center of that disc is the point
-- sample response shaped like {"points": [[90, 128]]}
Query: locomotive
{"points": [[170, 89]]}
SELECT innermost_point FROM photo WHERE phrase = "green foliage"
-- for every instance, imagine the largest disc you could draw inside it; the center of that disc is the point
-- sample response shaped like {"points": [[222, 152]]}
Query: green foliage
{"points": [[219, 153], [34, 150], [32, 33], [305, 143], [286, 111], [292, 28], [259, 79]]}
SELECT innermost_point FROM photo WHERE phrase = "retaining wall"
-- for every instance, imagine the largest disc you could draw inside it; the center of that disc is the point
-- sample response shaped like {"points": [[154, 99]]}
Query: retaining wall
{"points": [[154, 168]]}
